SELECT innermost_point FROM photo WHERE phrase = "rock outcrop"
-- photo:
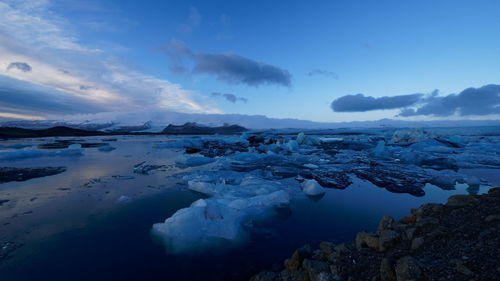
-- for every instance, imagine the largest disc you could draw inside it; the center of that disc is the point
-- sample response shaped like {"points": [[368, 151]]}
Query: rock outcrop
{"points": [[459, 240]]}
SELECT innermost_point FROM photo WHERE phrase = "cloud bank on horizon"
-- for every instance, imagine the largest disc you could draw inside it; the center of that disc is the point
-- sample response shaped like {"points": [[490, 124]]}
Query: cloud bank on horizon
{"points": [[469, 102]]}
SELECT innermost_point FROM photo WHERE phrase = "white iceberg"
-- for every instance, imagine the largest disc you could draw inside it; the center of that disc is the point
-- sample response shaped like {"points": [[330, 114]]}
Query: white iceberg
{"points": [[219, 221], [312, 188], [210, 223]]}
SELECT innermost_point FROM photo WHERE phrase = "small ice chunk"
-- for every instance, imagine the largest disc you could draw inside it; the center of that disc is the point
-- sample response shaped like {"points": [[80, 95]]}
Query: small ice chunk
{"points": [[312, 187], [106, 148], [73, 149], [292, 145], [382, 151], [192, 161], [311, 166], [123, 199], [301, 138], [325, 139]]}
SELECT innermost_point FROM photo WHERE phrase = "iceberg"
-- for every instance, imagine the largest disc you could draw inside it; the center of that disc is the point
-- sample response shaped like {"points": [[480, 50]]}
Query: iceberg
{"points": [[301, 138], [410, 136], [219, 221], [192, 161], [312, 188], [123, 199]]}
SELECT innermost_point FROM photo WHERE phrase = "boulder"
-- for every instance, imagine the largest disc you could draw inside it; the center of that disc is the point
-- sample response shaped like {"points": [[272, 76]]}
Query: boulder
{"points": [[364, 239], [327, 276], [314, 268], [326, 248], [425, 221], [293, 264], [386, 223], [417, 243], [461, 200], [387, 239], [408, 269], [387, 272]]}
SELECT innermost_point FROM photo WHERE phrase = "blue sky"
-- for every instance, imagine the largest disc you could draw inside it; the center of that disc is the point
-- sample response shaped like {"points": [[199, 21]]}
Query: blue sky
{"points": [[286, 59]]}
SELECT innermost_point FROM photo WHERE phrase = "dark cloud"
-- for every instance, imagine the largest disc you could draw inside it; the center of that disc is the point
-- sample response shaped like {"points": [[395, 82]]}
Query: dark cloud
{"points": [[471, 101], [361, 103], [24, 67], [229, 97], [323, 72], [227, 67]]}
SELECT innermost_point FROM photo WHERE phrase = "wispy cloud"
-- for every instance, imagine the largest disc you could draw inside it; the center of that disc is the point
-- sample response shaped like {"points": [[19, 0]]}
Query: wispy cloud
{"points": [[228, 67], [229, 97], [322, 72], [34, 39], [194, 19]]}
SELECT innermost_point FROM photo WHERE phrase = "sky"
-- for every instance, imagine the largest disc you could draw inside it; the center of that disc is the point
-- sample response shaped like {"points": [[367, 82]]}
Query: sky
{"points": [[325, 61]]}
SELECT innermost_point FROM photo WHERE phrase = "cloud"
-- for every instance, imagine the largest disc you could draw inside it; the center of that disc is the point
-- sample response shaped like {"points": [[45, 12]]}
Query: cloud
{"points": [[24, 67], [229, 97], [194, 16], [315, 72], [33, 34], [471, 101], [194, 19], [228, 67], [21, 97], [362, 103]]}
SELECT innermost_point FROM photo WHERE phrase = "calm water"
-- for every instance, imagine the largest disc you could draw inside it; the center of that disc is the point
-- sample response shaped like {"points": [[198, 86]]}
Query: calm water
{"points": [[82, 234]]}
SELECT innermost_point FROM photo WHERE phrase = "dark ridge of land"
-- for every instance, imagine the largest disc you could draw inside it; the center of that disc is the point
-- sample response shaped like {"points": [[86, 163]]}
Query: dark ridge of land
{"points": [[63, 131], [59, 131], [459, 240], [192, 128]]}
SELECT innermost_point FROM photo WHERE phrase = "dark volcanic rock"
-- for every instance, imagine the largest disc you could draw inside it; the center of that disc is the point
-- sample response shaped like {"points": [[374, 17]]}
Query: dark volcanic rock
{"points": [[192, 128], [456, 241], [8, 174]]}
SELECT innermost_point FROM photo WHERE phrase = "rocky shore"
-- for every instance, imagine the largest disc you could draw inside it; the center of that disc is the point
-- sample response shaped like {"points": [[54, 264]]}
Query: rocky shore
{"points": [[459, 240]]}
